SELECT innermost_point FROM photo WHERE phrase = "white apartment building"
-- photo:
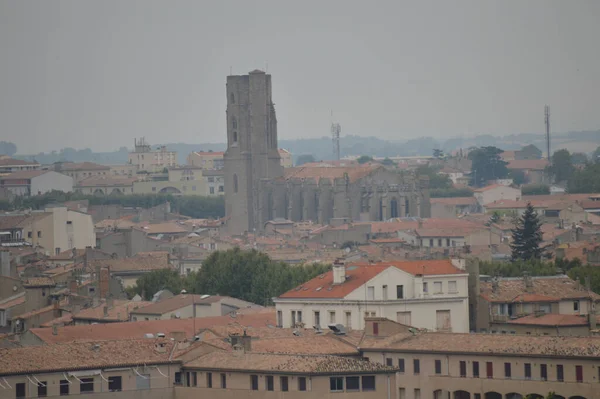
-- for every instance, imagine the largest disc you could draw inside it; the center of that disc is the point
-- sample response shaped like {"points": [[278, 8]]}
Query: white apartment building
{"points": [[146, 159], [431, 294]]}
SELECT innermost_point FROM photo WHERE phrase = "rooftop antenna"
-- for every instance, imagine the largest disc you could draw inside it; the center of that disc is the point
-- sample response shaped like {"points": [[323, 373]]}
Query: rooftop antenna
{"points": [[336, 129], [547, 122]]}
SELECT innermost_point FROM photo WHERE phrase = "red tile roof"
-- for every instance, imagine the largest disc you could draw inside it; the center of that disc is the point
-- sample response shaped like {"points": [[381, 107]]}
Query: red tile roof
{"points": [[552, 319], [358, 274], [16, 162], [532, 164], [72, 166], [133, 330], [24, 174], [331, 172], [13, 302], [176, 302], [487, 188]]}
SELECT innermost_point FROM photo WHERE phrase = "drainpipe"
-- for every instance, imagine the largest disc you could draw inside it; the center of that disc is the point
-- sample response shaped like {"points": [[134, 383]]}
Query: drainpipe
{"points": [[389, 389]]}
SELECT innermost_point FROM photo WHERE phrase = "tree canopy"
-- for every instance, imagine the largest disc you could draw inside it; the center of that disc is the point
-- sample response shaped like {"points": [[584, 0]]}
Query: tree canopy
{"points": [[535, 189], [436, 180], [248, 275], [562, 166], [586, 180], [579, 158], [8, 148], [364, 159], [527, 236], [304, 158], [487, 165]]}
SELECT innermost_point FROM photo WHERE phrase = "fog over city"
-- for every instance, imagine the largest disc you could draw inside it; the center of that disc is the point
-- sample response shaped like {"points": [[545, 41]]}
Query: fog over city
{"points": [[96, 74]]}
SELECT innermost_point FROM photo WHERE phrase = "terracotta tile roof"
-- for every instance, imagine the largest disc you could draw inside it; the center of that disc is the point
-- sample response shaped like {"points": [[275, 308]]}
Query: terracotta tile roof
{"points": [[36, 312], [487, 188], [138, 263], [134, 330], [392, 240], [176, 302], [7, 304], [358, 274], [39, 282], [551, 319], [72, 166], [482, 344], [309, 344], [11, 221], [508, 204], [68, 254], [532, 164], [261, 362], [544, 289], [16, 162], [331, 172], [59, 321], [118, 312], [163, 228], [210, 153], [437, 232], [24, 174], [84, 355], [454, 201], [114, 223]]}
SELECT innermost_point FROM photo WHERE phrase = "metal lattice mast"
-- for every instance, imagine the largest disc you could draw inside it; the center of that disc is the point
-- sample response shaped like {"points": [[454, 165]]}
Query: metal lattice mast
{"points": [[547, 122]]}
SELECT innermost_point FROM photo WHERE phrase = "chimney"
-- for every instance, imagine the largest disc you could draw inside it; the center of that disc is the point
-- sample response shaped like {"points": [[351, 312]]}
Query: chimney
{"points": [[54, 329], [103, 280], [339, 271], [73, 286], [495, 284], [528, 282], [178, 336], [241, 341]]}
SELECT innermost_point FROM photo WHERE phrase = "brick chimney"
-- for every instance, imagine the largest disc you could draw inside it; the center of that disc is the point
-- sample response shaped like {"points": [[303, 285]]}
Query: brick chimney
{"points": [[103, 282], [73, 286]]}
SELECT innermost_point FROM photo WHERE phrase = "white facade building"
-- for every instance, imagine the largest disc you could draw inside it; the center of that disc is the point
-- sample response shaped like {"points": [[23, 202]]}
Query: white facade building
{"points": [[496, 192], [36, 182], [431, 294]]}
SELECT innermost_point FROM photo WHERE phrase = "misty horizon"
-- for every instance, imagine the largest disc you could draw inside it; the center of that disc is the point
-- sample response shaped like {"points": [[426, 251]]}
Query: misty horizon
{"points": [[96, 75]]}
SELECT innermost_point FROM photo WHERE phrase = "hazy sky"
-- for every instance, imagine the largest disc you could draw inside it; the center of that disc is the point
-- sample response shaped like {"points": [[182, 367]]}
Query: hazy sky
{"points": [[99, 73]]}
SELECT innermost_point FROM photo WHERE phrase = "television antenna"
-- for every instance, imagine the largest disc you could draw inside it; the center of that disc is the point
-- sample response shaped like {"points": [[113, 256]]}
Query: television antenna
{"points": [[336, 129]]}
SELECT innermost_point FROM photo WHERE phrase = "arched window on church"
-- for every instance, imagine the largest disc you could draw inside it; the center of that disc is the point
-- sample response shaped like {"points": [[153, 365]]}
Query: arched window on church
{"points": [[381, 217], [394, 208], [231, 98], [406, 208], [233, 122], [270, 206], [235, 183], [235, 138]]}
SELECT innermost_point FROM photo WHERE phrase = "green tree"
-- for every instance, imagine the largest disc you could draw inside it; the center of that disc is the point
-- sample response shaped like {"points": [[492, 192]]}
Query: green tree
{"points": [[487, 165], [304, 158], [364, 159], [535, 189], [150, 283], [437, 153], [562, 167], [596, 155], [8, 148], [527, 236], [494, 218], [518, 176], [436, 180], [586, 180], [579, 158], [388, 162], [580, 273]]}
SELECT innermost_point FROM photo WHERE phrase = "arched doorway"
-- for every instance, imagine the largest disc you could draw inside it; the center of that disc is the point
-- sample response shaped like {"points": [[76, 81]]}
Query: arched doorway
{"points": [[534, 396], [169, 190], [116, 191], [514, 395], [577, 397], [98, 192], [394, 208], [461, 395], [492, 395]]}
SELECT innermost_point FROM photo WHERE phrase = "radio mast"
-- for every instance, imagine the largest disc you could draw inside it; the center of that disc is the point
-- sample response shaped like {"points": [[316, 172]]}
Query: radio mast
{"points": [[547, 122]]}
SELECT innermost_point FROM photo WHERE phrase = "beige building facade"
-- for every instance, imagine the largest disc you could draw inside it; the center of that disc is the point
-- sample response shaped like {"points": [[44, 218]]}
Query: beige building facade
{"points": [[144, 158]]}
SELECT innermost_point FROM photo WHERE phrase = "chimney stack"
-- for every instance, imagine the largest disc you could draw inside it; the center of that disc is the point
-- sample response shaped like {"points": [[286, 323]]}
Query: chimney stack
{"points": [[54, 329], [339, 271]]}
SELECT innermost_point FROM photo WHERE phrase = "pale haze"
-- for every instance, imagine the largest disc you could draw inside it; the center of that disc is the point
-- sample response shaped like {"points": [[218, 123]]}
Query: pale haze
{"points": [[97, 74]]}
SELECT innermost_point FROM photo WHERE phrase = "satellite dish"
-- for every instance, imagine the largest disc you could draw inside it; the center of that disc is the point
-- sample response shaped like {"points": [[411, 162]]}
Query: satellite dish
{"points": [[178, 315]]}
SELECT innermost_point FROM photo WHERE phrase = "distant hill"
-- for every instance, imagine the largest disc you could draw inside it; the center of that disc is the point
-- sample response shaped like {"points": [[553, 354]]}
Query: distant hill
{"points": [[322, 148]]}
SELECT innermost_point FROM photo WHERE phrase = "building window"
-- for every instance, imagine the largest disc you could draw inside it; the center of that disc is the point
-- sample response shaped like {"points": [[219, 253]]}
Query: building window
{"points": [[235, 183], [235, 137], [299, 316], [332, 317], [302, 384], [401, 365], [64, 387], [384, 292], [194, 379], [211, 179], [317, 317], [425, 287], [42, 389], [579, 373], [371, 293], [416, 366], [447, 242], [177, 378], [507, 370], [211, 190], [39, 234], [544, 372], [368, 383], [463, 369], [352, 384], [431, 242], [475, 370], [452, 287], [29, 234], [270, 383], [336, 384], [437, 287], [86, 385], [576, 306], [527, 371], [154, 189], [490, 369], [560, 373], [115, 384], [438, 367], [223, 380], [193, 188], [400, 292], [254, 382], [209, 380], [417, 393], [20, 390], [283, 383], [389, 361], [233, 122], [439, 242], [348, 319], [221, 189], [375, 329]]}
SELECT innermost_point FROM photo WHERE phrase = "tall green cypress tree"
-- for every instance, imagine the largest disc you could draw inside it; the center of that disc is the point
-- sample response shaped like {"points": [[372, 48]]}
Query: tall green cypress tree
{"points": [[527, 236]]}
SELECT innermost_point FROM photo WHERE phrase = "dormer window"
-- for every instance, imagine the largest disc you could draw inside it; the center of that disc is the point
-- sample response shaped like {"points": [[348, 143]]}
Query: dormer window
{"points": [[235, 137]]}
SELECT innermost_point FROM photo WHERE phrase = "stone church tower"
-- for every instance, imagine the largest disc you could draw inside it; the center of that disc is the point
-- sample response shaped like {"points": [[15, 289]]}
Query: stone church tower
{"points": [[252, 157]]}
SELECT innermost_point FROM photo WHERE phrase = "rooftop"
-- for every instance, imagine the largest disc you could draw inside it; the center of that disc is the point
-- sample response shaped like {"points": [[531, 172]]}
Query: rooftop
{"points": [[135, 264], [16, 162], [177, 302], [96, 181], [331, 172], [39, 282], [454, 201], [532, 164], [163, 228], [551, 320], [119, 311], [544, 289], [482, 344], [24, 174], [263, 362], [358, 274], [73, 166]]}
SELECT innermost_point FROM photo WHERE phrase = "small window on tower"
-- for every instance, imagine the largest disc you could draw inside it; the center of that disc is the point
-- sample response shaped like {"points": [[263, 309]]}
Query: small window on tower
{"points": [[235, 183], [232, 98], [235, 139], [234, 122]]}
